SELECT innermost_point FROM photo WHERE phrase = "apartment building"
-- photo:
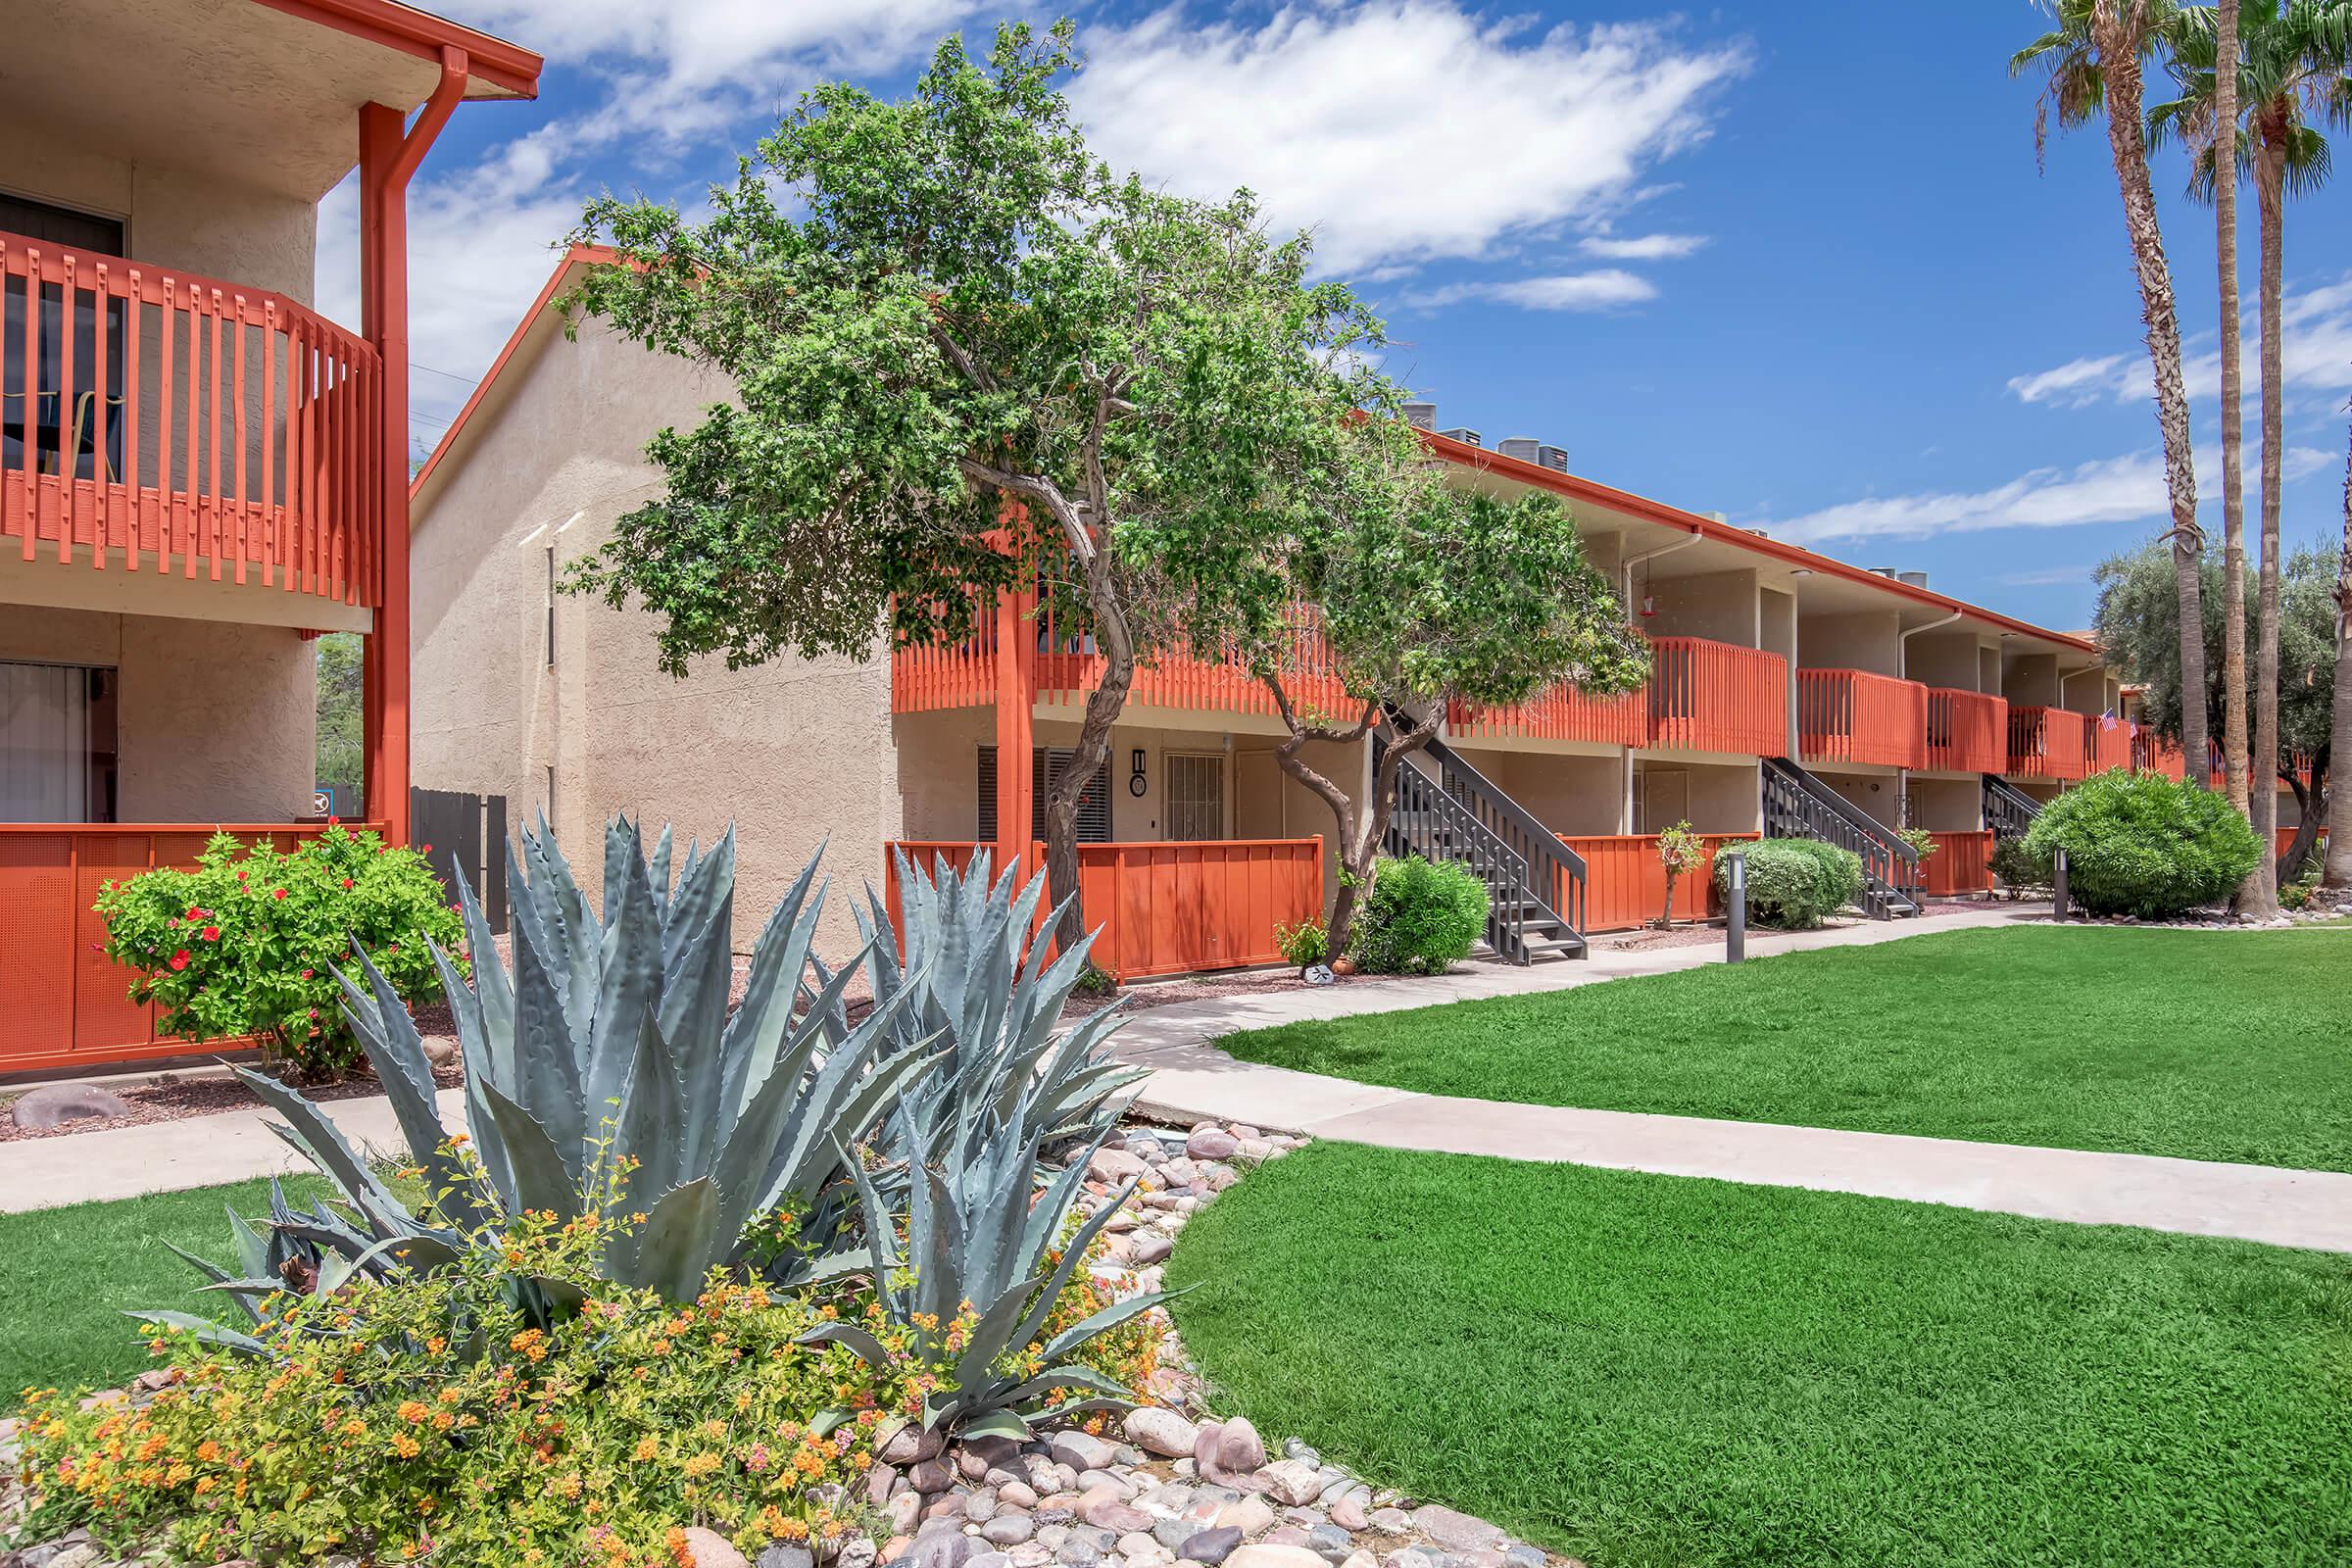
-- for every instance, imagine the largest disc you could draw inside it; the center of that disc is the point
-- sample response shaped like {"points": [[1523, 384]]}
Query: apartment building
{"points": [[199, 472], [1792, 692]]}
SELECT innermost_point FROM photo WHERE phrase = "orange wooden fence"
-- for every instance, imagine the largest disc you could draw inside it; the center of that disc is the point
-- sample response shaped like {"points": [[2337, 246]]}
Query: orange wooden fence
{"points": [[1625, 885], [63, 1002], [2284, 839], [2048, 743], [187, 425], [2107, 744], [1968, 732], [1713, 697], [1172, 908], [1958, 864], [1852, 715]]}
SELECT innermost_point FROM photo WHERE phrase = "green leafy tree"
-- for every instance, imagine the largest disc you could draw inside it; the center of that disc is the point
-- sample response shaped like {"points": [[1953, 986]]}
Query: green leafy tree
{"points": [[967, 356], [2339, 873], [342, 749], [2135, 628], [1417, 596], [2095, 61], [1680, 852]]}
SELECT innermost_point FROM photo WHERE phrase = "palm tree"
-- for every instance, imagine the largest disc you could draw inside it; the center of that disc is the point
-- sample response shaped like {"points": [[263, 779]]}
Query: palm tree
{"points": [[2296, 61], [2337, 872], [2096, 58]]}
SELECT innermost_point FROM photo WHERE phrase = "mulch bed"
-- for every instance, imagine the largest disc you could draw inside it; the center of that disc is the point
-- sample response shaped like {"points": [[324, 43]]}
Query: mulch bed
{"points": [[169, 1097]]}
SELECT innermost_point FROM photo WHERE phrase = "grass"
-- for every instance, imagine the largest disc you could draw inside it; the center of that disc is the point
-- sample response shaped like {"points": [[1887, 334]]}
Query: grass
{"points": [[67, 1275], [2220, 1046], [1655, 1372]]}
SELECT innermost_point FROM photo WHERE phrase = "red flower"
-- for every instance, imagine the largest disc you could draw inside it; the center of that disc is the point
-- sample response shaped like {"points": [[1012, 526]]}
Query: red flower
{"points": [[306, 974], [278, 893], [424, 849], [240, 876], [347, 884], [180, 960], [333, 820], [194, 914], [212, 933]]}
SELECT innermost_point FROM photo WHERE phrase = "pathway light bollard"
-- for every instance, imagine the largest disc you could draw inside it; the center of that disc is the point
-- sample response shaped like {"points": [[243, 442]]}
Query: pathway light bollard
{"points": [[1735, 919], [2058, 885]]}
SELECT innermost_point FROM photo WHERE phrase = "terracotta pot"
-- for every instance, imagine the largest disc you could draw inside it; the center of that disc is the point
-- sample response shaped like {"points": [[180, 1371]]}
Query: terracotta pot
{"points": [[1343, 964]]}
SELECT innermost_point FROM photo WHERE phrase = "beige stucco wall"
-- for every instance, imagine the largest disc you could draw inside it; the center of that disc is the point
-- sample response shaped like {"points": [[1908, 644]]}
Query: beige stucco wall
{"points": [[1941, 659], [1715, 798], [1721, 606], [179, 218], [215, 723], [1571, 795], [1880, 794], [1862, 640], [795, 753], [1948, 804]]}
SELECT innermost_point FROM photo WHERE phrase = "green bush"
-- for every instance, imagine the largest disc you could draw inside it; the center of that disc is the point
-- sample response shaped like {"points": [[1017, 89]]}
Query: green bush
{"points": [[1304, 944], [1795, 884], [2144, 845], [1421, 918], [246, 945], [2017, 867]]}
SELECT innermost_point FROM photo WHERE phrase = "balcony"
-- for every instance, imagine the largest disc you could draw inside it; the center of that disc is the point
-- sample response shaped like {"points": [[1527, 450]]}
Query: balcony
{"points": [[1714, 697], [2110, 745], [151, 421], [1852, 715], [1968, 732], [2052, 743]]}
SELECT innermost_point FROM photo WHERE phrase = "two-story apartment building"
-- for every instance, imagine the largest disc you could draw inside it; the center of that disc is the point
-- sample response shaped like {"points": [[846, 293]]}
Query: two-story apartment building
{"points": [[1792, 692], [199, 472]]}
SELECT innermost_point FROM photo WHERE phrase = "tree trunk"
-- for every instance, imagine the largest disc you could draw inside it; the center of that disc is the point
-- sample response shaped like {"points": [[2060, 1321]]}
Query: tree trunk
{"points": [[2117, 28], [1666, 915], [2237, 770], [1338, 909], [1102, 706], [2261, 893], [2339, 865], [2310, 812]]}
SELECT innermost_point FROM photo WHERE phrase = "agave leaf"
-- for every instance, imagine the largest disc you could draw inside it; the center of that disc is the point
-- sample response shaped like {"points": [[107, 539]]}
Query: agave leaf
{"points": [[206, 1331], [542, 1178], [864, 1344], [672, 1249], [657, 873], [626, 995], [828, 1422], [1073, 1254], [997, 1424], [757, 1032], [1066, 1377], [1103, 1322], [653, 1112], [388, 1035], [313, 1134], [253, 1249]]}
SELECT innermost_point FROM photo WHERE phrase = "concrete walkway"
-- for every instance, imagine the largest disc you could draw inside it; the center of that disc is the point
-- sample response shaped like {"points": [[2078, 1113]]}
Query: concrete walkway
{"points": [[1193, 1080]]}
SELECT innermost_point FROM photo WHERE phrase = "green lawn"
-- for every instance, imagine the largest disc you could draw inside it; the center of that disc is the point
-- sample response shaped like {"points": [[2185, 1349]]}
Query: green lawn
{"points": [[2210, 1046], [1655, 1372], [67, 1275]]}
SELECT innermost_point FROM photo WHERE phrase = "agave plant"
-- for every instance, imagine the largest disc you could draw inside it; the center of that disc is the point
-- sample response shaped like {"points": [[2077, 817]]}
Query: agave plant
{"points": [[977, 1279], [609, 1051], [976, 980]]}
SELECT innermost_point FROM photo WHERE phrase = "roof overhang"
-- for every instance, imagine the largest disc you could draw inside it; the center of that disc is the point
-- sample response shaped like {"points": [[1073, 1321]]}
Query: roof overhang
{"points": [[262, 92]]}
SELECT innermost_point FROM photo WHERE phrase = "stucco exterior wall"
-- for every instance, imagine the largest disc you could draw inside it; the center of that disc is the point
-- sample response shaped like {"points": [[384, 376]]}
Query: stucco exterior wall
{"points": [[1572, 795], [1943, 659], [215, 721], [793, 754], [1862, 640], [1880, 794], [176, 216], [2030, 680], [1948, 804], [1720, 606]]}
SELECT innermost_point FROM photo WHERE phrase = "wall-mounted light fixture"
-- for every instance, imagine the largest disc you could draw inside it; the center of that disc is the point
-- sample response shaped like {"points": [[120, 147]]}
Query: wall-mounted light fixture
{"points": [[1136, 785]]}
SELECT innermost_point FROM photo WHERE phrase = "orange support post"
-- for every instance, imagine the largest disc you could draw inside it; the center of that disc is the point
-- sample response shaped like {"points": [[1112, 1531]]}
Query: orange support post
{"points": [[1016, 703], [388, 157]]}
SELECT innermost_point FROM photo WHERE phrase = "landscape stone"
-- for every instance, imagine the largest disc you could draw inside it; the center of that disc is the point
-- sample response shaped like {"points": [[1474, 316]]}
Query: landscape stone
{"points": [[1161, 1432], [1237, 1452], [1330, 1543], [55, 1104], [1114, 1165], [1082, 1450], [980, 1506], [910, 1444], [1150, 1246], [902, 1511], [1104, 1509], [1391, 1521], [1210, 1546], [705, 1548], [1347, 1512], [1456, 1532], [931, 1475], [941, 1548], [779, 1554], [1406, 1557], [1251, 1516], [1008, 1527], [1212, 1143], [1293, 1480], [1522, 1555], [1017, 1494]]}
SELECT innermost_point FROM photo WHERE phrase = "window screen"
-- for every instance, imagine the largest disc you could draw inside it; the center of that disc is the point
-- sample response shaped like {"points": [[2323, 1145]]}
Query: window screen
{"points": [[1094, 807], [1196, 796]]}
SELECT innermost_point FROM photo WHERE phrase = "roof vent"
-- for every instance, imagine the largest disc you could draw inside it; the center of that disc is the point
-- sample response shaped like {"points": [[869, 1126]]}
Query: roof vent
{"points": [[1883, 571], [1720, 516], [1465, 435], [1421, 415], [1912, 580]]}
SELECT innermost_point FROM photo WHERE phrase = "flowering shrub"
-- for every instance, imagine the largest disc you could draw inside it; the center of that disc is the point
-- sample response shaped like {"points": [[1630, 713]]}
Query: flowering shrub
{"points": [[1680, 852], [244, 943]]}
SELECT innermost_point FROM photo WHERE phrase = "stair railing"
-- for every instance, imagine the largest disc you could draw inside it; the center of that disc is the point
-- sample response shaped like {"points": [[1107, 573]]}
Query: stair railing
{"points": [[1427, 822], [1559, 872], [2008, 810], [1795, 808]]}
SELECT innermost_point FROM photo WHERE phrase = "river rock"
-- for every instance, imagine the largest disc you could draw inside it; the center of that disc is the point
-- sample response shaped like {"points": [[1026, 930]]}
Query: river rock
{"points": [[1159, 1431], [1293, 1482], [708, 1549], [1210, 1143], [1456, 1532], [55, 1104]]}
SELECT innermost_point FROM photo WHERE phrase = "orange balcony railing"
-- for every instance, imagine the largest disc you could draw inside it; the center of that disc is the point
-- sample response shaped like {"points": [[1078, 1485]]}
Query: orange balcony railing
{"points": [[1852, 715], [2110, 745], [1561, 713], [2153, 754], [1714, 697], [1968, 732], [155, 421], [2048, 743]]}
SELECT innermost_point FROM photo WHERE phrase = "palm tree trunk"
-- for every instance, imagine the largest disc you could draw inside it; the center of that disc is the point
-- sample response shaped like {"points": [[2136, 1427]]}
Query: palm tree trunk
{"points": [[2260, 896], [2234, 767], [2117, 26], [2337, 869]]}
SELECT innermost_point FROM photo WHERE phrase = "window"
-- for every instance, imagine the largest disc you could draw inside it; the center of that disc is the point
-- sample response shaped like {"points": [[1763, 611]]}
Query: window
{"points": [[1094, 806], [1196, 794], [90, 426], [61, 225], [57, 743]]}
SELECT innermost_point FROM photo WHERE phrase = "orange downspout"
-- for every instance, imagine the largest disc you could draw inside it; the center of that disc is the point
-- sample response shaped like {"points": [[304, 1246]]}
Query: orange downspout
{"points": [[388, 158]]}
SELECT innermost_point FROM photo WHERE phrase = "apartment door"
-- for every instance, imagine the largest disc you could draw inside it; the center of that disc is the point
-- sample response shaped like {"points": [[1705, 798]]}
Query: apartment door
{"points": [[1196, 796], [1664, 799], [57, 743]]}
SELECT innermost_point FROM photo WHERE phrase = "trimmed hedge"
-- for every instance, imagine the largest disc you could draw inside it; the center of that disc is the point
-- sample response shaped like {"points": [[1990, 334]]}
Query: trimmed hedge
{"points": [[1795, 884], [1420, 917], [2145, 845]]}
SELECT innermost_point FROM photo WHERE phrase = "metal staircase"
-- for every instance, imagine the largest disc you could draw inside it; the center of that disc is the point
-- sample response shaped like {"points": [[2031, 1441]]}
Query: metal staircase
{"points": [[1798, 805], [2008, 810], [1459, 815]]}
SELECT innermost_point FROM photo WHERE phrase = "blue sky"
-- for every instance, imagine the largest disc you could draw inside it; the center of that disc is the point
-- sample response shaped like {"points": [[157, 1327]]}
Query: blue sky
{"points": [[1790, 262]]}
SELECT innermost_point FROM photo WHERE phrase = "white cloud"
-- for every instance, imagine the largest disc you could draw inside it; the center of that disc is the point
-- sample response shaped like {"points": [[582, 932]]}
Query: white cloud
{"points": [[2044, 577], [1642, 247], [2125, 489], [1402, 131], [2315, 356], [1573, 291]]}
